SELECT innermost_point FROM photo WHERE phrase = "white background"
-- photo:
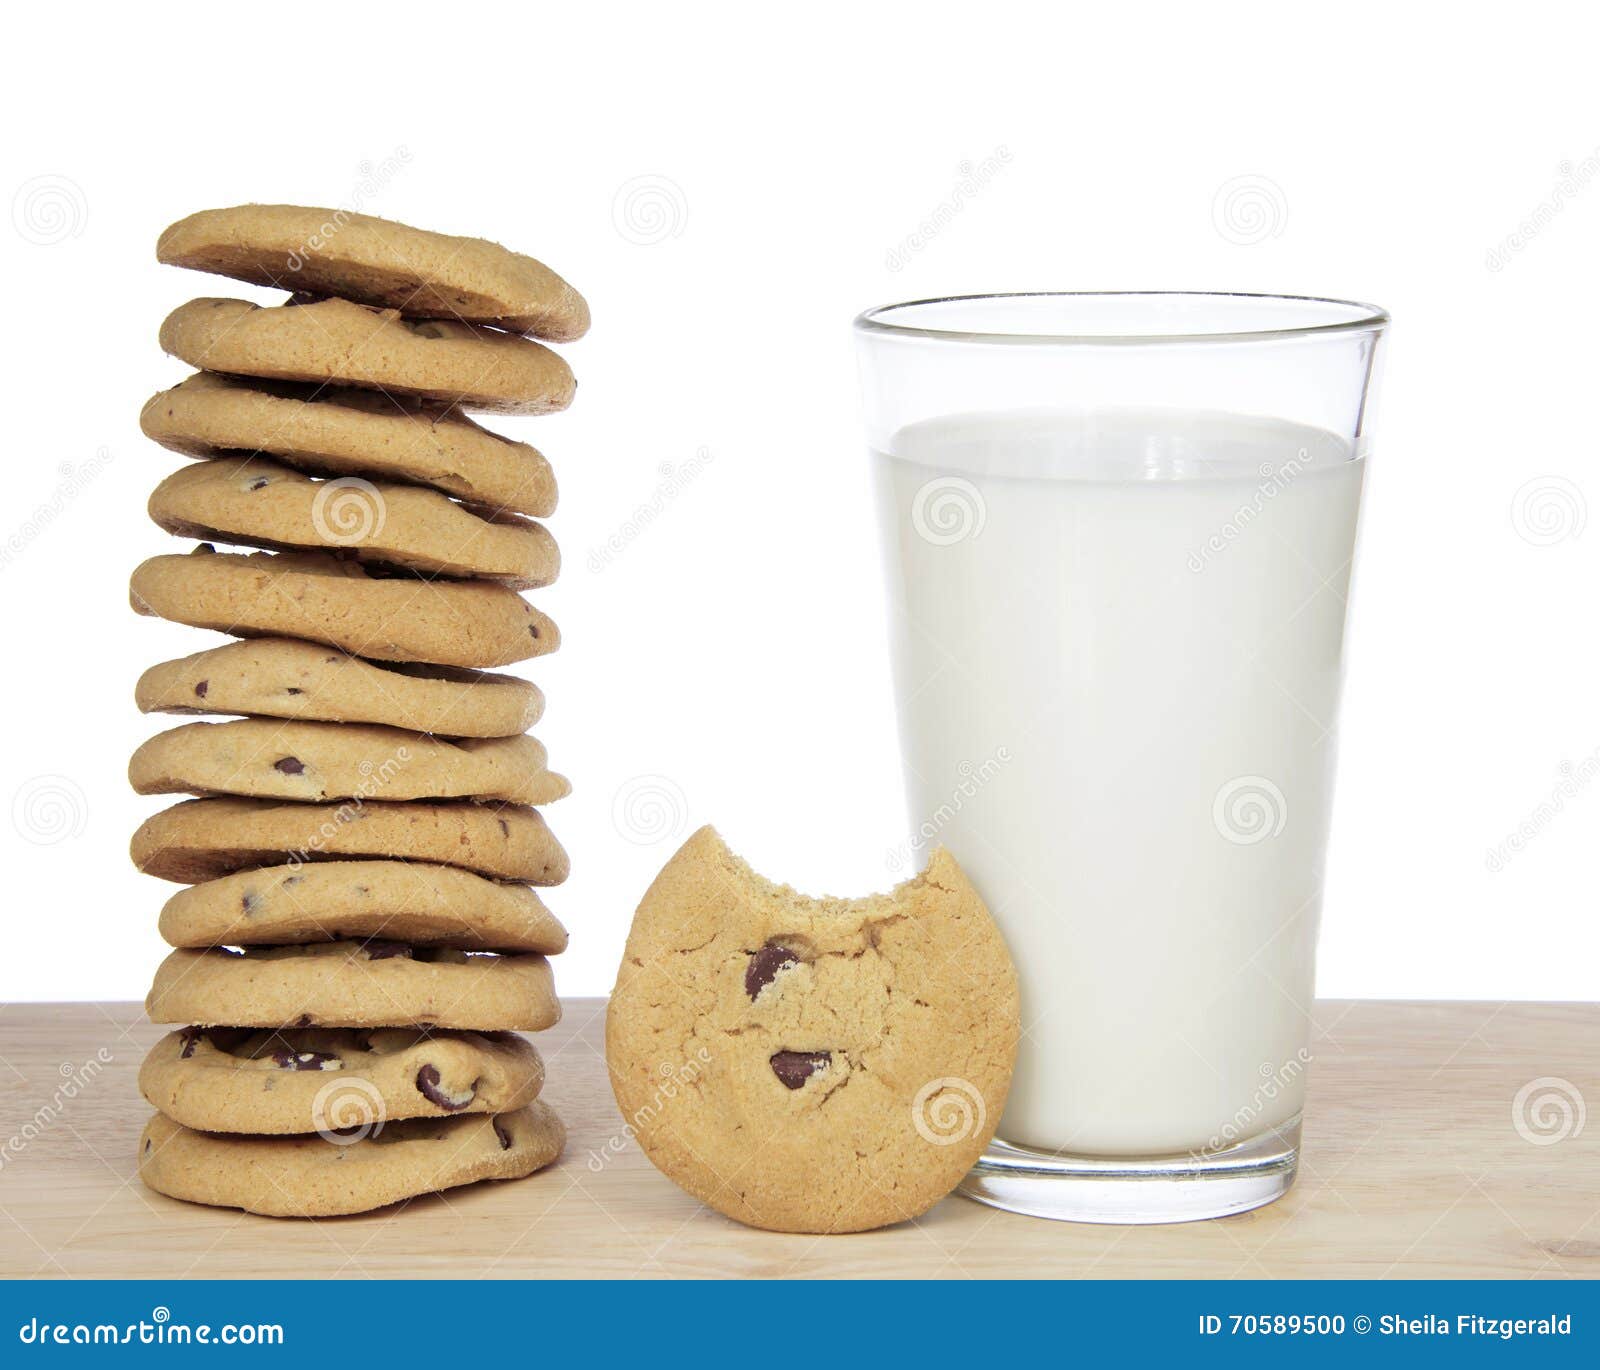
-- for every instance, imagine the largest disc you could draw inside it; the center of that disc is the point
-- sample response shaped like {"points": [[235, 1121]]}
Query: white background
{"points": [[728, 186]]}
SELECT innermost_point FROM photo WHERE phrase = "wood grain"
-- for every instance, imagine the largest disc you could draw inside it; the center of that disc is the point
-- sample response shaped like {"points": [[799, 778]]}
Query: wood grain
{"points": [[1413, 1168]]}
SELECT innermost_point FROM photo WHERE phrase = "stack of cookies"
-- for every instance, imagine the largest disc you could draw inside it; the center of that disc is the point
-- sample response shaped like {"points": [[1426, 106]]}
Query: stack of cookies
{"points": [[359, 943]]}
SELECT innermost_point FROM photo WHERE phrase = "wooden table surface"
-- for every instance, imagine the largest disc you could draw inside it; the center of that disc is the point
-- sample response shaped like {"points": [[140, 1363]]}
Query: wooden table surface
{"points": [[1415, 1166]]}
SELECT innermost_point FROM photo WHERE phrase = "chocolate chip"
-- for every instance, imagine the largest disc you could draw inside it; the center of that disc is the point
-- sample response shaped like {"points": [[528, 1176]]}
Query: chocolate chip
{"points": [[505, 827], [304, 1020], [285, 1059], [765, 965], [503, 1133], [294, 690], [201, 688], [190, 1037], [251, 903], [428, 1086], [378, 950], [290, 765], [533, 630], [794, 1068], [260, 483]]}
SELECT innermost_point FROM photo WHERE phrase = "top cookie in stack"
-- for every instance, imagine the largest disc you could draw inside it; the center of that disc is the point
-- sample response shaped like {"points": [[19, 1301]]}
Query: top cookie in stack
{"points": [[361, 941]]}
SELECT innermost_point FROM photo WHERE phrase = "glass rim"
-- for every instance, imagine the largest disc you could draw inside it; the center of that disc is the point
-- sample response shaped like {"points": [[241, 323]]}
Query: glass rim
{"points": [[1363, 318]]}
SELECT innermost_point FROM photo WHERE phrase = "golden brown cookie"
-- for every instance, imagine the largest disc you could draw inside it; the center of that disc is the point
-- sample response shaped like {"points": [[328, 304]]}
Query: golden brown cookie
{"points": [[333, 432], [284, 677], [837, 1064], [319, 1177], [201, 839], [257, 503], [336, 342], [355, 984], [418, 902], [318, 596], [302, 1080], [378, 262], [271, 758]]}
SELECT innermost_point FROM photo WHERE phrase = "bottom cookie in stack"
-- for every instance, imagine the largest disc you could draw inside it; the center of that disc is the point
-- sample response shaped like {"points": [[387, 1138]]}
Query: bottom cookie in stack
{"points": [[321, 1177], [340, 1072]]}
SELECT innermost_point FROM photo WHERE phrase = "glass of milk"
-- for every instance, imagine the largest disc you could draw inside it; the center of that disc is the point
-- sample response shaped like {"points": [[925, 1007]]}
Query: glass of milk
{"points": [[1118, 531]]}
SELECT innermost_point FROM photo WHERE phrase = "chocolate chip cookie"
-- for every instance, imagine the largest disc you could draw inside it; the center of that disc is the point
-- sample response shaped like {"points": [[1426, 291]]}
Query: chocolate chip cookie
{"points": [[253, 502], [840, 1064], [360, 942], [201, 839], [328, 901], [337, 342], [334, 432], [378, 262], [319, 1177], [308, 1079], [376, 983], [318, 596], [286, 678], [277, 759]]}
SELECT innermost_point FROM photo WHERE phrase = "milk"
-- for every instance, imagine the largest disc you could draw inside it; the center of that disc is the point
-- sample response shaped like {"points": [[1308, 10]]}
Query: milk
{"points": [[1117, 663]]}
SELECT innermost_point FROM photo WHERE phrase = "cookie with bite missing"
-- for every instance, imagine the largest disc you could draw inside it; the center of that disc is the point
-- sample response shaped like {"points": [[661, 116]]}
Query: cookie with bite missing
{"points": [[337, 342], [323, 1176], [301, 1080], [252, 502], [849, 1059], [324, 598], [378, 262], [201, 839], [419, 902], [354, 984], [288, 678], [328, 431], [281, 759]]}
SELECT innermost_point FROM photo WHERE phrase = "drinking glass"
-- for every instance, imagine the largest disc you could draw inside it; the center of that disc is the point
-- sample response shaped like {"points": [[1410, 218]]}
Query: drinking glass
{"points": [[1118, 531]]}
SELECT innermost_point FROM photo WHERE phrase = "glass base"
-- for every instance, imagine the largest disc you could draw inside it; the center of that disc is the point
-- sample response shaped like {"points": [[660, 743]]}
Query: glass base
{"points": [[1137, 1189]]}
